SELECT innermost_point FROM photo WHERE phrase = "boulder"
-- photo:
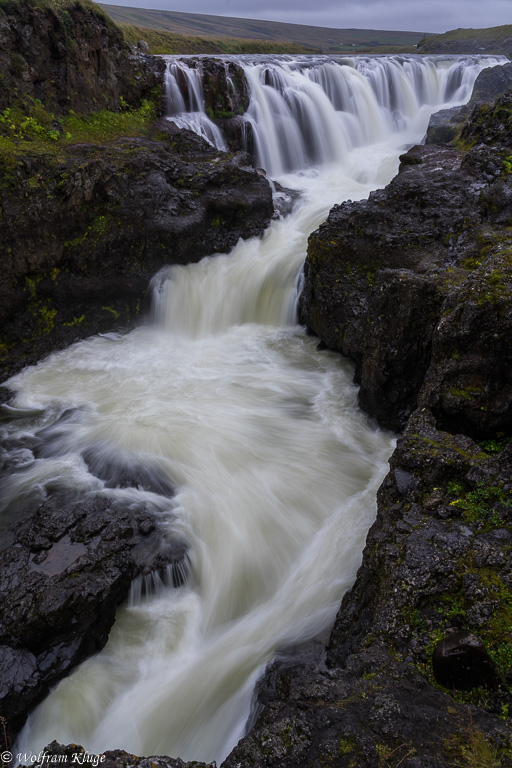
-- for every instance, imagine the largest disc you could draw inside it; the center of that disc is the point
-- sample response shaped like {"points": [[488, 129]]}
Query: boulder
{"points": [[461, 661]]}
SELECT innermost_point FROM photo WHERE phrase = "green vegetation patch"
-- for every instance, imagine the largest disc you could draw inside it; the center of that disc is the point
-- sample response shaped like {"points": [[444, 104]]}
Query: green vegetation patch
{"points": [[36, 129], [483, 505]]}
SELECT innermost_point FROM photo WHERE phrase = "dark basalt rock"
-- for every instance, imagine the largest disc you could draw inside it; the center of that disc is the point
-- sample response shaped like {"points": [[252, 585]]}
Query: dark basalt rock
{"points": [[63, 573], [382, 274], [461, 661], [383, 278], [82, 242], [357, 715], [74, 754], [71, 57], [446, 125]]}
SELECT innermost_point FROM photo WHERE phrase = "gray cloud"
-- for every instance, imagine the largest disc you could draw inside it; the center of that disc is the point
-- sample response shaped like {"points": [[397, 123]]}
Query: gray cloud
{"points": [[415, 15]]}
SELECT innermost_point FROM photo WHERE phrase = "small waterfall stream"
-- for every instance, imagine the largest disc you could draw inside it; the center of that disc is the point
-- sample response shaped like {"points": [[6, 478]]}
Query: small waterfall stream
{"points": [[276, 469]]}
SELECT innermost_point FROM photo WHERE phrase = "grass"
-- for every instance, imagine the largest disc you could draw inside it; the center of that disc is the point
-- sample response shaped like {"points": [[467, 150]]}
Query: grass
{"points": [[218, 29], [35, 129], [493, 38], [57, 6], [162, 41], [470, 749]]}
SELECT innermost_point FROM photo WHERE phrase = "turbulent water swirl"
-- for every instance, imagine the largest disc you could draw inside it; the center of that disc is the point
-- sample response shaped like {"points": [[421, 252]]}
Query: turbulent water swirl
{"points": [[225, 398]]}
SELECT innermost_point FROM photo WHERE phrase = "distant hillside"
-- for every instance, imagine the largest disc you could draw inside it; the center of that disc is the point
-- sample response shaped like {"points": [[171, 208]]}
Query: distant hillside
{"points": [[218, 28], [491, 40], [160, 41]]}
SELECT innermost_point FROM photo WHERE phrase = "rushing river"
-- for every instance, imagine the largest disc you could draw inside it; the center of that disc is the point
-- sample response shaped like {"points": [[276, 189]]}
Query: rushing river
{"points": [[276, 469]]}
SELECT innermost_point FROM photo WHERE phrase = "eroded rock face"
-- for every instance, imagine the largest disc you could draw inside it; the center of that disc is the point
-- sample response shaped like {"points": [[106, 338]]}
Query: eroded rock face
{"points": [[446, 125], [65, 569], [414, 286], [83, 231], [382, 277], [71, 57]]}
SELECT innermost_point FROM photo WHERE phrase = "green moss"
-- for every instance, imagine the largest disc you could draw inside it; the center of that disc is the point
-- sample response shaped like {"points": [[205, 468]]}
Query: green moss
{"points": [[75, 321], [17, 65], [496, 445], [112, 311], [346, 746], [482, 505]]}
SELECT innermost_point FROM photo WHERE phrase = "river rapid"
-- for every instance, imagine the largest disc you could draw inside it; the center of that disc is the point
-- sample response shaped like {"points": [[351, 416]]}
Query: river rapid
{"points": [[222, 393]]}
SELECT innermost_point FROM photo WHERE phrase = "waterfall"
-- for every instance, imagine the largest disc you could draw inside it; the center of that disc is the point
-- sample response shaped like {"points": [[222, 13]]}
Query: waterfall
{"points": [[307, 111], [228, 401], [185, 103]]}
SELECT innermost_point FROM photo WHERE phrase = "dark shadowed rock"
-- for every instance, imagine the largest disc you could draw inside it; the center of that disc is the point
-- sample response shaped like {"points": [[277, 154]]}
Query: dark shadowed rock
{"points": [[63, 573], [461, 661], [72, 56], [383, 275], [82, 243], [491, 83]]}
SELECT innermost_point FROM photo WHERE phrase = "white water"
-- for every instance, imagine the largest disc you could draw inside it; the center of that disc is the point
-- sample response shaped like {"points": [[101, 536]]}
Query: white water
{"points": [[276, 469]]}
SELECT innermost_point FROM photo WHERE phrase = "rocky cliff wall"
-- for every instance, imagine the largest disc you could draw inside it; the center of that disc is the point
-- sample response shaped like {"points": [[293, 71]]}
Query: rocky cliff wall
{"points": [[69, 55], [415, 285], [84, 229]]}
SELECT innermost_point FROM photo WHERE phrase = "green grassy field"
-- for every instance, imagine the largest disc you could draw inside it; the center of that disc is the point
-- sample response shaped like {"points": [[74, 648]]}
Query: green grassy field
{"points": [[489, 40], [232, 35]]}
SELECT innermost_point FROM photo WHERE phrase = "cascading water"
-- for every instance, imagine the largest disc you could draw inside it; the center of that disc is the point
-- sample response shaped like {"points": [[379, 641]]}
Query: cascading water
{"points": [[276, 470], [185, 104]]}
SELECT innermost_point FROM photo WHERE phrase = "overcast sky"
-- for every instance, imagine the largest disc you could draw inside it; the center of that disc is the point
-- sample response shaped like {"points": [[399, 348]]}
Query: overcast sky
{"points": [[414, 15]]}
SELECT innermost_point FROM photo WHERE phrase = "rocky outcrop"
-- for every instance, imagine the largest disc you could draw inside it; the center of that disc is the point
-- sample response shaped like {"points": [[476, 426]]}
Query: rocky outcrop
{"points": [[84, 230], [65, 569], [70, 56], [76, 754], [446, 125], [437, 560], [382, 277], [414, 284]]}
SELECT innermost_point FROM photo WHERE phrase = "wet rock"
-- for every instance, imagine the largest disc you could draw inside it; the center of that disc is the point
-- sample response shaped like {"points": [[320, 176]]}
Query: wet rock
{"points": [[382, 277], [66, 571], [437, 560], [447, 124], [85, 242], [75, 754], [355, 716], [461, 661]]}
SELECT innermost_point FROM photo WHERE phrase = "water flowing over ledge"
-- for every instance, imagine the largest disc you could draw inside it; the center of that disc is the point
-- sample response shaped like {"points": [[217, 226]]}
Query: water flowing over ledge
{"points": [[307, 111], [222, 394]]}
